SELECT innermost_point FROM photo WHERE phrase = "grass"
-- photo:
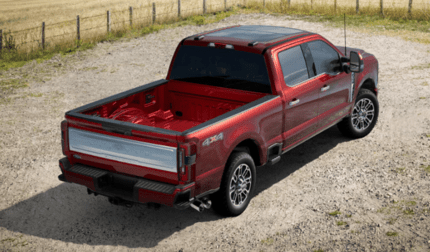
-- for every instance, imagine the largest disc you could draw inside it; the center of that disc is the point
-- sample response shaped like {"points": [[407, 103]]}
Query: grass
{"points": [[15, 241], [268, 241], [426, 168], [392, 234], [424, 84], [400, 170], [408, 212], [56, 15], [341, 223], [9, 84], [335, 213]]}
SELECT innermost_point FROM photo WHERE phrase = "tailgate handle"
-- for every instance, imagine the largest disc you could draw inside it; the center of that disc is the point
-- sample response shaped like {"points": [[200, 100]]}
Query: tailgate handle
{"points": [[325, 88]]}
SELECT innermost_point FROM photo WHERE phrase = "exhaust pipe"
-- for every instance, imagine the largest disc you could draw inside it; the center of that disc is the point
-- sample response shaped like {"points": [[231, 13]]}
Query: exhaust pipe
{"points": [[201, 204], [120, 202]]}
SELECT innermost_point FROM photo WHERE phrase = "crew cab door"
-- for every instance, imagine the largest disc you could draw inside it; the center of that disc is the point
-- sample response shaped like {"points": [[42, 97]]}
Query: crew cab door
{"points": [[335, 84], [300, 93]]}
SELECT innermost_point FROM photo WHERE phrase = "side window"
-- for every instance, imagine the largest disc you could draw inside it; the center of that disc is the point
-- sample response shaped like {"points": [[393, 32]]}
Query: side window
{"points": [[326, 59], [293, 66]]}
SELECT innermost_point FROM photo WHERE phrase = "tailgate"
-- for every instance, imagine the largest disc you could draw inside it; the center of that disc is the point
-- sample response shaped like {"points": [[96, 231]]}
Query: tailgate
{"points": [[128, 151]]}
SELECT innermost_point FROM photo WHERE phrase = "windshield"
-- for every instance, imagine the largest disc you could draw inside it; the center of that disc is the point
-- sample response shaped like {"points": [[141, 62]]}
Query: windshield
{"points": [[222, 68]]}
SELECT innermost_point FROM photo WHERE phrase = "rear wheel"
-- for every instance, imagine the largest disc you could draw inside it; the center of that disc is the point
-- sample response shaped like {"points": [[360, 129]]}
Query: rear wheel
{"points": [[237, 185], [363, 117]]}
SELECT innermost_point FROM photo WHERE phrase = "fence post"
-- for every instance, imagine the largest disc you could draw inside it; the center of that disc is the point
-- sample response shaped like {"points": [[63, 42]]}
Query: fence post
{"points": [[410, 7], [289, 4], [335, 7], [153, 13], [264, 4], [131, 16], [1, 39], [225, 5], [108, 21], [179, 8], [204, 6], [312, 4], [43, 35], [382, 7], [357, 6], [78, 28]]}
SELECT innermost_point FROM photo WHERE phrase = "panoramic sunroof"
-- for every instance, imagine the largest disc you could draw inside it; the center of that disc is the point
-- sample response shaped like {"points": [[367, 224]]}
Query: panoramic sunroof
{"points": [[259, 33]]}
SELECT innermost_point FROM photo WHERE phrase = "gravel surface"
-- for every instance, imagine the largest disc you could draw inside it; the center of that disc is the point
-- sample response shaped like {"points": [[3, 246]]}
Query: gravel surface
{"points": [[378, 184]]}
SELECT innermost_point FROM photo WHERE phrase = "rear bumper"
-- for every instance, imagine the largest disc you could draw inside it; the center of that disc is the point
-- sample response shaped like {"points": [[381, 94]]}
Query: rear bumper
{"points": [[126, 188]]}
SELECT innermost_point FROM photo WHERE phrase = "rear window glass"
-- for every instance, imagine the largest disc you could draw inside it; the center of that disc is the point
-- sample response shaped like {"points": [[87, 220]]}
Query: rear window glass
{"points": [[222, 68]]}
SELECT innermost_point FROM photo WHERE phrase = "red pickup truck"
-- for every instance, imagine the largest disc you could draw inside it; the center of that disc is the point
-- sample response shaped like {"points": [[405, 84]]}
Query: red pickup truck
{"points": [[233, 99]]}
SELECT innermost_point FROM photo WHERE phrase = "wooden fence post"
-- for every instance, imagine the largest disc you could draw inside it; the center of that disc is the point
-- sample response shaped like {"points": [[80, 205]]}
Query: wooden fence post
{"points": [[312, 4], [204, 6], [357, 6], [410, 7], [382, 7], [153, 13], [108, 22], [289, 4], [225, 5], [43, 35], [264, 4], [335, 7], [131, 16], [78, 28], [1, 39], [179, 8]]}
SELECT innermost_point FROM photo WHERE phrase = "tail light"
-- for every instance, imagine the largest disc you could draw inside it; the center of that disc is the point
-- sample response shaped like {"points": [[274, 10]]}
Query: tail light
{"points": [[64, 141], [186, 161]]}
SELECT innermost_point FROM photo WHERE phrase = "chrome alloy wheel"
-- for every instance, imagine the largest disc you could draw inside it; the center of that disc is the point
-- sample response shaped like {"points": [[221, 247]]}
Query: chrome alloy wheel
{"points": [[362, 115], [240, 184]]}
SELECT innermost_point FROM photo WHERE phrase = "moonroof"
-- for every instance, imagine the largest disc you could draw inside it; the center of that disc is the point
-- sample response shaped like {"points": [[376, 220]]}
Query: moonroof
{"points": [[259, 33]]}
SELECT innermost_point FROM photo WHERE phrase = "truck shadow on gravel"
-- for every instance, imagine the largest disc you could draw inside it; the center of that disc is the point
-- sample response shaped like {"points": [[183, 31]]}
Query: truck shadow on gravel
{"points": [[66, 213]]}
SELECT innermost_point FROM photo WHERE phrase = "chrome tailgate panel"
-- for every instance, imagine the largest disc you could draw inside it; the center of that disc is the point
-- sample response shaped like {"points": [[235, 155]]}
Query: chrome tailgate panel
{"points": [[123, 150]]}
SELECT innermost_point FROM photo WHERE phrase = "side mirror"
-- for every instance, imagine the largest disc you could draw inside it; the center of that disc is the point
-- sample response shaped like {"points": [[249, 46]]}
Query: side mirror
{"points": [[356, 62]]}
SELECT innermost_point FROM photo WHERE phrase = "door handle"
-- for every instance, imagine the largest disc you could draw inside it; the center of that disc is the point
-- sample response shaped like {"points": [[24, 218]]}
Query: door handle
{"points": [[325, 88], [294, 102]]}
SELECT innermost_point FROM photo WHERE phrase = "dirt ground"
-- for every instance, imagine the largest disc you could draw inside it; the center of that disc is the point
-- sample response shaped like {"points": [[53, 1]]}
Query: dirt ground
{"points": [[330, 194]]}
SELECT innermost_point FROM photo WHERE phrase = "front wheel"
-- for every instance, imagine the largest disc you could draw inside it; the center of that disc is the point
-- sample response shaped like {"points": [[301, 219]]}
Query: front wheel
{"points": [[237, 185], [363, 117]]}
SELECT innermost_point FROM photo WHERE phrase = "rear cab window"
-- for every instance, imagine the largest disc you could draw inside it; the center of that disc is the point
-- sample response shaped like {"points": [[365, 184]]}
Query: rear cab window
{"points": [[222, 68]]}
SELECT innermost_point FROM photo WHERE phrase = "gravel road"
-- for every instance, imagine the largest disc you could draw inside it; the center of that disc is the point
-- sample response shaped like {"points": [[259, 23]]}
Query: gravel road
{"points": [[378, 185]]}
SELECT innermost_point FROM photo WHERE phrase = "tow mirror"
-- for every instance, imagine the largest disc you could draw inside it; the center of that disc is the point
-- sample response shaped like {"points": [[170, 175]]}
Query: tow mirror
{"points": [[356, 62]]}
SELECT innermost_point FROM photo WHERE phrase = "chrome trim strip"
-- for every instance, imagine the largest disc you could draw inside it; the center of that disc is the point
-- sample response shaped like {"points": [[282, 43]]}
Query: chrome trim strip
{"points": [[123, 150]]}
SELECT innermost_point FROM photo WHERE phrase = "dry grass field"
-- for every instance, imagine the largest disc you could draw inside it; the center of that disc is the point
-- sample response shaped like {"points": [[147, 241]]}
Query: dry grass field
{"points": [[23, 18]]}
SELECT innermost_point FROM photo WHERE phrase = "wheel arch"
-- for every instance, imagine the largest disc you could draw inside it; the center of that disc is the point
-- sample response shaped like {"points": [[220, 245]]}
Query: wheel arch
{"points": [[369, 84], [250, 146]]}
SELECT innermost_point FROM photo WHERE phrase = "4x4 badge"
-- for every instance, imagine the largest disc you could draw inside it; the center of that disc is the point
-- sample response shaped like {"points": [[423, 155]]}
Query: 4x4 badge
{"points": [[212, 139]]}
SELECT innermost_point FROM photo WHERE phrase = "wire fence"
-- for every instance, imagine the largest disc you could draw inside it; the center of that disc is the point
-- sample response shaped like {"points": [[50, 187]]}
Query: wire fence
{"points": [[91, 27]]}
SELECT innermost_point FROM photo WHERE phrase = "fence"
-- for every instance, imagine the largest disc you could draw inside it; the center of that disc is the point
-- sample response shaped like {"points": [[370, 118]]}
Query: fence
{"points": [[86, 28]]}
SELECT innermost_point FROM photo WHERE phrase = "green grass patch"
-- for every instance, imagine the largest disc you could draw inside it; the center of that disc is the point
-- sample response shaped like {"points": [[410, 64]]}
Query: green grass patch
{"points": [[421, 67], [426, 168], [392, 234], [424, 84], [268, 241], [400, 170], [15, 241], [422, 98], [319, 250], [335, 213], [391, 221], [341, 223], [408, 212], [349, 215], [10, 84], [355, 232]]}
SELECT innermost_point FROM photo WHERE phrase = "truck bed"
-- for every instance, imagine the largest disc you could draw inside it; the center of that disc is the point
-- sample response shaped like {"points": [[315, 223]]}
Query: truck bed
{"points": [[171, 105]]}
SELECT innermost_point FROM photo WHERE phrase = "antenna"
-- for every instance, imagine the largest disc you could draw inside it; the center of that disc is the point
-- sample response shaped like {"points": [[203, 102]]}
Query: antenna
{"points": [[344, 31]]}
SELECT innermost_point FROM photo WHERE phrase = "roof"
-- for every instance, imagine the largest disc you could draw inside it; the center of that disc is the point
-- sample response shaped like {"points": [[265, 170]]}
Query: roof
{"points": [[260, 33], [257, 38]]}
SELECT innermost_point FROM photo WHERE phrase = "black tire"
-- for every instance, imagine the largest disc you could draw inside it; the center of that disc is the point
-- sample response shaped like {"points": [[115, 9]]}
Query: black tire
{"points": [[349, 127], [237, 163]]}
